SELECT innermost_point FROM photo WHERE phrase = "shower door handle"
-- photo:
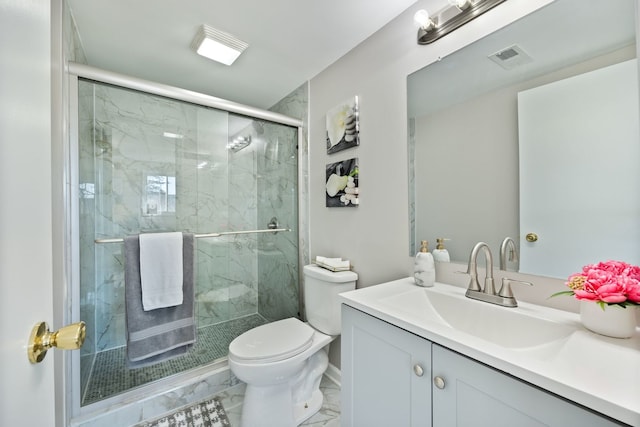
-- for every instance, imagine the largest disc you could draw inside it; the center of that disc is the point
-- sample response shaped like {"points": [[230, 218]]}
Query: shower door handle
{"points": [[70, 337]]}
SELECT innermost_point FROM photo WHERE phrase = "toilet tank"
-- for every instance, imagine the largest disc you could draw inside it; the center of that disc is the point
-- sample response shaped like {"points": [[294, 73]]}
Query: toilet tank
{"points": [[321, 289]]}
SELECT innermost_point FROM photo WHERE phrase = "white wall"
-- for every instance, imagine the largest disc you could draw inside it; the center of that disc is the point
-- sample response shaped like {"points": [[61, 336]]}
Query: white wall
{"points": [[375, 236]]}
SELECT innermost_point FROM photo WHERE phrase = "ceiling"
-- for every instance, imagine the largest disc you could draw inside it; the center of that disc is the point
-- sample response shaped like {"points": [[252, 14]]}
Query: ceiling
{"points": [[290, 41]]}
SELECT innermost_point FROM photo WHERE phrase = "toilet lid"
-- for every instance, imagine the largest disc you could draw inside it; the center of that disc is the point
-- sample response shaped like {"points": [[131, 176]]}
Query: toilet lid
{"points": [[273, 342]]}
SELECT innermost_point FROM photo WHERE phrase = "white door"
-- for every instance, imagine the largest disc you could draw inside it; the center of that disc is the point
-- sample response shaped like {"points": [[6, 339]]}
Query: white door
{"points": [[26, 390], [581, 132]]}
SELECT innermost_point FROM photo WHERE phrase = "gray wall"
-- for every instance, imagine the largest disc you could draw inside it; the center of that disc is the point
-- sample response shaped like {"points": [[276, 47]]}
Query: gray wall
{"points": [[375, 235], [464, 189]]}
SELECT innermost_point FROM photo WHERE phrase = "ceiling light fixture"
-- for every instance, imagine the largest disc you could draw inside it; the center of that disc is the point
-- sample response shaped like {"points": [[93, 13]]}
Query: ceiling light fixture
{"points": [[217, 45], [238, 143], [450, 18]]}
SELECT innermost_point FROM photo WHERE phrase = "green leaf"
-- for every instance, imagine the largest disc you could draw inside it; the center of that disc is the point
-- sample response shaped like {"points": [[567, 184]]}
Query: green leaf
{"points": [[561, 293]]}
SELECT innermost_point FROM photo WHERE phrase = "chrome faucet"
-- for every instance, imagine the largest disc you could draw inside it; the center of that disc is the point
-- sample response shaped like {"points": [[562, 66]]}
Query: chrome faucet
{"points": [[472, 270], [504, 297], [513, 253]]}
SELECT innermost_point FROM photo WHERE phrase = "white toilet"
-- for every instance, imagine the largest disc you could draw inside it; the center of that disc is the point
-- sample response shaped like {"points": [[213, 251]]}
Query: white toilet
{"points": [[282, 362]]}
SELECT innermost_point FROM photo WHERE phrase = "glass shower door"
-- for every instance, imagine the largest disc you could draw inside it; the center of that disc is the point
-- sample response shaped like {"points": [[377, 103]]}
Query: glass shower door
{"points": [[153, 164]]}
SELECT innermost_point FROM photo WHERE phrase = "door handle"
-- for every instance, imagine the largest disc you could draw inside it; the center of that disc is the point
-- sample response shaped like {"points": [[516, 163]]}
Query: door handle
{"points": [[70, 337]]}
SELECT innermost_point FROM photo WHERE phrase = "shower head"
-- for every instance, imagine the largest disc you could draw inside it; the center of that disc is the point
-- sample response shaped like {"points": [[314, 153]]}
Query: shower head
{"points": [[258, 126]]}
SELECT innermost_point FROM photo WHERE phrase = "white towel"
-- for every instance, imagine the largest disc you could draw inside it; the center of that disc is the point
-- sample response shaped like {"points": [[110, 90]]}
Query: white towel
{"points": [[161, 270], [333, 263]]}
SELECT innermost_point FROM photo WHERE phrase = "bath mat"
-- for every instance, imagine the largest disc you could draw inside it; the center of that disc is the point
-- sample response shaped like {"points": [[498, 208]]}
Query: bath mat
{"points": [[209, 413]]}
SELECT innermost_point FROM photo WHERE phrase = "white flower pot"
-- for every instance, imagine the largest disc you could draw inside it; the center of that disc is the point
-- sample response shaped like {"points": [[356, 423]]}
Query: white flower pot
{"points": [[614, 321]]}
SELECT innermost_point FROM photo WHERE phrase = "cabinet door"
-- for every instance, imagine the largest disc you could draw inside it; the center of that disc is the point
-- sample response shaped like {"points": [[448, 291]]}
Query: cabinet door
{"points": [[476, 395], [386, 375]]}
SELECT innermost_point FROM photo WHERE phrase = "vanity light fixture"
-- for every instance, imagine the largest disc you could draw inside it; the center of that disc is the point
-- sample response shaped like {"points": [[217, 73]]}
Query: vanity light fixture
{"points": [[451, 17], [461, 4], [423, 19], [217, 45]]}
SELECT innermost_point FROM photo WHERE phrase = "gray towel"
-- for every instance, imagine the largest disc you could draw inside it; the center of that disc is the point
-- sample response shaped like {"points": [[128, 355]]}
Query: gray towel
{"points": [[164, 333]]}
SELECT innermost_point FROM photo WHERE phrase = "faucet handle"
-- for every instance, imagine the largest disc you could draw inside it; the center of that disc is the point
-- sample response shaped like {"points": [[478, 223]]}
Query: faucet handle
{"points": [[505, 290]]}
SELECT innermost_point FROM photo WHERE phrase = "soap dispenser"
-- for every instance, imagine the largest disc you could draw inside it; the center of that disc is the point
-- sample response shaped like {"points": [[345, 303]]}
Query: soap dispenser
{"points": [[440, 253], [424, 269]]}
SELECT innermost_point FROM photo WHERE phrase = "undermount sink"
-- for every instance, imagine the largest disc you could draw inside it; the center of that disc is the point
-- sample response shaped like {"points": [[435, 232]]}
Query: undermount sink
{"points": [[513, 328]]}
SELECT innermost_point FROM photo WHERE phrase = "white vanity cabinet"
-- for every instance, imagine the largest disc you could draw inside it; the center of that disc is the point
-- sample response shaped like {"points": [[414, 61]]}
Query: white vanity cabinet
{"points": [[474, 394], [382, 385], [386, 374]]}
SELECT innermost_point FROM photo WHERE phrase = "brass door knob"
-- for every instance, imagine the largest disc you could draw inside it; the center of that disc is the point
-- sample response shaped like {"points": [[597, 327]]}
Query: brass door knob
{"points": [[531, 237], [70, 337]]}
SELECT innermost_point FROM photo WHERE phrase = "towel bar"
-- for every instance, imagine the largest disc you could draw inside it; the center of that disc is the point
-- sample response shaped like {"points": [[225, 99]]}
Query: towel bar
{"points": [[199, 236]]}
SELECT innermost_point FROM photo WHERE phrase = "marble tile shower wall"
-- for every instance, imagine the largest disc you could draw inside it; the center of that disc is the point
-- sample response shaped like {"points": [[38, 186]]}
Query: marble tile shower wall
{"points": [[296, 105], [278, 272], [121, 145]]}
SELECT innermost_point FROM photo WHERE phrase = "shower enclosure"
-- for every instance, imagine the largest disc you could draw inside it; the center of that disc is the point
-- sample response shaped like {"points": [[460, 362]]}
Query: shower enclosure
{"points": [[145, 162]]}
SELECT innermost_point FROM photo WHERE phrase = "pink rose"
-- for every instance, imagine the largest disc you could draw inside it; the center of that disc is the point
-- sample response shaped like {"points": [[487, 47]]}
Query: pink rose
{"points": [[634, 272], [612, 282], [582, 294], [612, 292], [615, 268], [598, 278], [633, 290]]}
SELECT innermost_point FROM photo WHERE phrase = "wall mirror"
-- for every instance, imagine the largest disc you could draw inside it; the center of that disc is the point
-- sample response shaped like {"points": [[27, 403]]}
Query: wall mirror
{"points": [[467, 162]]}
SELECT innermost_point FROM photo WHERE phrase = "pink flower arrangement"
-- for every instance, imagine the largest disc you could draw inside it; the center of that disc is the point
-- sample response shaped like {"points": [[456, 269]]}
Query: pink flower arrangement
{"points": [[610, 283]]}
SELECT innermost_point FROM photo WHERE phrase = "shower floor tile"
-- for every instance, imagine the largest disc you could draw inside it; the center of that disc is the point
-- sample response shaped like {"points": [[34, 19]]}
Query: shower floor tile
{"points": [[110, 375]]}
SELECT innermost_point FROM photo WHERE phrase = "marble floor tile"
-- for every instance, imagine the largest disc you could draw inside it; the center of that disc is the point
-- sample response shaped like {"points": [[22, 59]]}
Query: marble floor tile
{"points": [[327, 416]]}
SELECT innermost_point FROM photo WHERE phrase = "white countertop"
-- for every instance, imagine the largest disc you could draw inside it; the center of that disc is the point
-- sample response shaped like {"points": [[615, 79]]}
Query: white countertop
{"points": [[599, 373]]}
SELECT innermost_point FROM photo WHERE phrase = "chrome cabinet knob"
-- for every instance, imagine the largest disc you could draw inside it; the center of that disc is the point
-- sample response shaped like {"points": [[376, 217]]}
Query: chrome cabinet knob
{"points": [[439, 382], [417, 369]]}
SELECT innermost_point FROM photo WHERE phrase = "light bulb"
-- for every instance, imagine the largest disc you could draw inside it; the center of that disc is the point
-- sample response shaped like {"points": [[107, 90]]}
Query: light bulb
{"points": [[461, 4], [422, 18]]}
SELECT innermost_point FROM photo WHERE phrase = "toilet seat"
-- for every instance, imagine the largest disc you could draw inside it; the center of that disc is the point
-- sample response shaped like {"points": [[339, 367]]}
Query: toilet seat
{"points": [[272, 342]]}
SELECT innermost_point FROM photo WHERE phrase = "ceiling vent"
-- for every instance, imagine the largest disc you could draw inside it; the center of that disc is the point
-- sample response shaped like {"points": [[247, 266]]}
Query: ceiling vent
{"points": [[511, 57]]}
